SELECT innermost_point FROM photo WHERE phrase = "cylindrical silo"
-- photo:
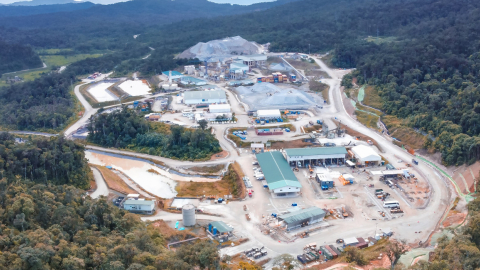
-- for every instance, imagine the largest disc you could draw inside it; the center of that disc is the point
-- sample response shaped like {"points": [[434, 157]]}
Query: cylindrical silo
{"points": [[188, 211]]}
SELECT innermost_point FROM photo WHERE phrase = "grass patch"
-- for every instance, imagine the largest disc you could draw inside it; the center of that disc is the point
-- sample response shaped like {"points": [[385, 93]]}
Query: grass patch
{"points": [[326, 95], [372, 98], [317, 86], [312, 128], [64, 60], [170, 234], [207, 169], [400, 129], [113, 181], [367, 119], [380, 40], [53, 51], [231, 183], [239, 142]]}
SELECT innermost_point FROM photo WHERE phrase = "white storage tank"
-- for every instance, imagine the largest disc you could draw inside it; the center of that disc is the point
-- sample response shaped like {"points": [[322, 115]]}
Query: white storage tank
{"points": [[188, 212]]}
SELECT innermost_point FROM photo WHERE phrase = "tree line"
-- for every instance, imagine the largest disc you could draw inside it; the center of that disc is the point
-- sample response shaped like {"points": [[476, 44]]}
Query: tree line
{"points": [[15, 57], [128, 129], [58, 227], [43, 160]]}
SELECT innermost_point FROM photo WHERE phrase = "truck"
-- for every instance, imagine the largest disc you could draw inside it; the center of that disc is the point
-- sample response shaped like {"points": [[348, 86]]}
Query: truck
{"points": [[240, 136], [287, 129], [414, 162], [257, 121], [260, 254], [310, 169], [319, 122]]}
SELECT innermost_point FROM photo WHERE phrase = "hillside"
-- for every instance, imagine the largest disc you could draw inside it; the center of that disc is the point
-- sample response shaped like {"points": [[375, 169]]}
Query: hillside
{"points": [[14, 57], [145, 12], [21, 10]]}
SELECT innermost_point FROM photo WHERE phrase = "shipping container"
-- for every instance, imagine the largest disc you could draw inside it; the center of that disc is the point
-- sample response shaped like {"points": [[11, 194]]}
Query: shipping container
{"points": [[335, 250], [334, 255]]}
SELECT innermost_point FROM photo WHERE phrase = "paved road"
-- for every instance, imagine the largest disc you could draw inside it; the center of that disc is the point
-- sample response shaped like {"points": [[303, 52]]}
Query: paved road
{"points": [[102, 189], [89, 111]]}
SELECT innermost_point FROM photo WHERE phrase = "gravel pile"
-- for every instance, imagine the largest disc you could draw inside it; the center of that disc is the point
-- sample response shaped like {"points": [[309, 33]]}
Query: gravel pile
{"points": [[265, 96]]}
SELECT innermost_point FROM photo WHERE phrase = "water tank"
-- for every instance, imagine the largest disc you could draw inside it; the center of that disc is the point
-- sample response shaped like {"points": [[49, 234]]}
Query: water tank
{"points": [[188, 212]]}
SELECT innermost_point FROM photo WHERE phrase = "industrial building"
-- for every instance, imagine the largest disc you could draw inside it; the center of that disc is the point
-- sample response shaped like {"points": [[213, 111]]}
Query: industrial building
{"points": [[219, 108], [302, 218], [325, 181], [220, 229], [268, 114], [172, 74], [256, 60], [366, 156], [280, 178], [316, 156], [139, 206], [204, 97]]}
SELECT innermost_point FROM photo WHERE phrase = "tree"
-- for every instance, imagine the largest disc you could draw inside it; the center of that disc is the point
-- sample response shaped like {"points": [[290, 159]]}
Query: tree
{"points": [[394, 250], [285, 261], [354, 255], [203, 124]]}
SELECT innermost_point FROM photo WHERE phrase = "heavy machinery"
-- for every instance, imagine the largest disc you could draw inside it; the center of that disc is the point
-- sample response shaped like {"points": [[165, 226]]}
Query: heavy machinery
{"points": [[310, 169], [344, 212]]}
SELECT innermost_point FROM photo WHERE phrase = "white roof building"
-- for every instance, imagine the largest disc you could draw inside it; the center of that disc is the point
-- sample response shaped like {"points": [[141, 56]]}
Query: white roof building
{"points": [[219, 108], [268, 114], [365, 154]]}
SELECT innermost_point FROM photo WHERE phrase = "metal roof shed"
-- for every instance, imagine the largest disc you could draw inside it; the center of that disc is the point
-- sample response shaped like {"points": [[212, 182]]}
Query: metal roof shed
{"points": [[365, 153], [304, 216], [221, 227], [298, 154], [352, 241], [279, 176]]}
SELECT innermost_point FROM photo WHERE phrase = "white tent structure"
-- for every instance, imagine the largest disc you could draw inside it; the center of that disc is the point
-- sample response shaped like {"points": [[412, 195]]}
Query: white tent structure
{"points": [[365, 155]]}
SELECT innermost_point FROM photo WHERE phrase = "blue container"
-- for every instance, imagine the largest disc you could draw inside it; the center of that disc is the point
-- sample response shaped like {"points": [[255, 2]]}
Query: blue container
{"points": [[267, 121], [274, 215], [258, 121], [210, 227], [294, 204], [214, 231]]}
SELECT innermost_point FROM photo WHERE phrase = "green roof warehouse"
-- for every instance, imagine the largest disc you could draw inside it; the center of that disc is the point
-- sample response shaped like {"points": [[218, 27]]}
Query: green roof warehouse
{"points": [[279, 176]]}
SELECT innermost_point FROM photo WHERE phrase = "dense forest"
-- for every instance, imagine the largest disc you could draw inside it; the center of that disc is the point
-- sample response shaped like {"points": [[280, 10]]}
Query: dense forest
{"points": [[127, 129], [12, 11], [431, 79], [15, 57], [423, 63], [57, 227], [46, 160]]}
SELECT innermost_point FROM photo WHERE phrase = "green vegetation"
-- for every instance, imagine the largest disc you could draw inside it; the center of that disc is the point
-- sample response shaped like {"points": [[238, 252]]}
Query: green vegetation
{"points": [[380, 40], [129, 130], [58, 227], [43, 160], [15, 57], [64, 60], [463, 250]]}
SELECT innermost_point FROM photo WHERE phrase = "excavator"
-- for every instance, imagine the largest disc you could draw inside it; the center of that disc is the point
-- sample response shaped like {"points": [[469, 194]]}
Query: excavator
{"points": [[310, 169]]}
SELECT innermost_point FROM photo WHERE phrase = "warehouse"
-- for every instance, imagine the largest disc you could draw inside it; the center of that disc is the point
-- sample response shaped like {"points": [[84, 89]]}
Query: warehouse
{"points": [[139, 206], [219, 108], [204, 97], [302, 218], [366, 156], [302, 157], [268, 114], [280, 178]]}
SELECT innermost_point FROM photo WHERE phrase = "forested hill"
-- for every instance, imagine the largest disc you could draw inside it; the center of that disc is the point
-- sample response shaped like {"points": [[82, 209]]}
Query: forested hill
{"points": [[12, 11], [147, 12], [15, 57]]}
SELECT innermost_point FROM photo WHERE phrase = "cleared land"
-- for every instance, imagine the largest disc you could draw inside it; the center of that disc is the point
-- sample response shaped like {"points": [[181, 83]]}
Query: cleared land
{"points": [[113, 181], [231, 183]]}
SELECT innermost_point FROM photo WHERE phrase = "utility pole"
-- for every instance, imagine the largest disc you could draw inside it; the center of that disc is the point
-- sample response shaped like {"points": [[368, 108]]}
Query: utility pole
{"points": [[308, 48]]}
